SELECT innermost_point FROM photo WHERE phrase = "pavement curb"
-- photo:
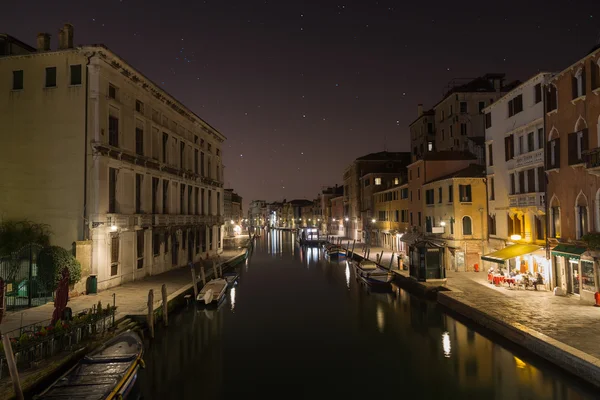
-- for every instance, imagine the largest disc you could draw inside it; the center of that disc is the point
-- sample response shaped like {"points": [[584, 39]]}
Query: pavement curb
{"points": [[564, 356]]}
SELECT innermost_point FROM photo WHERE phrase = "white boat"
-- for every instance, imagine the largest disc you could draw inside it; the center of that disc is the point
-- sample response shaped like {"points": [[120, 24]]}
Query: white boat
{"points": [[213, 292], [364, 266]]}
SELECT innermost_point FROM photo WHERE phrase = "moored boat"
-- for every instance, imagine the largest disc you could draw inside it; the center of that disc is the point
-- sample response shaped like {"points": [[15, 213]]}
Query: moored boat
{"points": [[336, 252], [107, 373], [231, 278], [364, 266], [213, 292]]}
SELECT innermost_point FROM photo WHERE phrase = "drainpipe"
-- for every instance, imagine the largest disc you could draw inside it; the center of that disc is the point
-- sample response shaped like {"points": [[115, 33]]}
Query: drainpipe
{"points": [[86, 231]]}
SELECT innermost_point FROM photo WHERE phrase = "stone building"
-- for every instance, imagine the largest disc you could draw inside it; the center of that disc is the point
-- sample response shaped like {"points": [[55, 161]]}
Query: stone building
{"points": [[371, 184], [390, 218], [459, 115], [573, 167], [422, 133], [232, 206], [382, 162], [516, 179], [336, 225], [324, 209], [108, 159], [455, 214], [257, 213]]}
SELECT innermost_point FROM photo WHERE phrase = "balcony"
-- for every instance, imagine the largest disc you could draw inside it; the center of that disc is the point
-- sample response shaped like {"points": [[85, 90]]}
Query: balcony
{"points": [[592, 161], [529, 159], [537, 199]]}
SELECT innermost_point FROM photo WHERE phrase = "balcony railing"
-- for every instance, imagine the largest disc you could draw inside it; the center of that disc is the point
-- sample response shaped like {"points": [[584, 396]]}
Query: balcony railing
{"points": [[531, 158], [537, 199]]}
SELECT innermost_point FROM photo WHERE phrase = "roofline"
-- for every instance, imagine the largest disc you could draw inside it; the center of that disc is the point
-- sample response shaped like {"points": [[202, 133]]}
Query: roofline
{"points": [[100, 49], [423, 115], [454, 177], [539, 75], [559, 74], [12, 38]]}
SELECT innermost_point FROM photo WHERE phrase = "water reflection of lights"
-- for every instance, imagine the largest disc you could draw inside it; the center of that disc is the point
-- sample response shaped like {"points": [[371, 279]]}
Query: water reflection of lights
{"points": [[380, 318], [520, 363], [347, 275], [446, 344], [232, 294]]}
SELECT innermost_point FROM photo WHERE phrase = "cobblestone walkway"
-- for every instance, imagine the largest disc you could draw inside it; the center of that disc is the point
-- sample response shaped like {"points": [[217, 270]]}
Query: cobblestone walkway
{"points": [[131, 297], [565, 319]]}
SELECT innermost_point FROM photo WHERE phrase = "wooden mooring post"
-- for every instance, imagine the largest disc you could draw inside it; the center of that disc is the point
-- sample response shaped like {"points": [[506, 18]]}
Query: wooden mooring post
{"points": [[165, 304], [194, 283], [12, 367], [220, 270], [150, 317], [391, 262], [202, 275], [214, 265], [352, 252], [381, 257], [347, 248]]}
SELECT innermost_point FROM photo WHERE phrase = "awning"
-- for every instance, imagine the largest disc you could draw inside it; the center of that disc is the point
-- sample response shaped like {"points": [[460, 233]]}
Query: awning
{"points": [[569, 251], [512, 251], [410, 237]]}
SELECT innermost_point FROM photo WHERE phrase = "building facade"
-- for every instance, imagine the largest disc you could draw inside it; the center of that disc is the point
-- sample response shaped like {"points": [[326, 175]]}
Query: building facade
{"points": [[382, 162], [118, 165], [335, 226], [390, 218], [572, 166], [257, 213], [516, 179], [422, 133], [372, 183], [232, 206], [455, 213]]}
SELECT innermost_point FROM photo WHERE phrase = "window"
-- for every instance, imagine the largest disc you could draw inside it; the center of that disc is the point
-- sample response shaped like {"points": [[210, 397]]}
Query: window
{"points": [[582, 221], [396, 181], [139, 244], [209, 202], [537, 90], [466, 224], [540, 134], [418, 172], [428, 224], [218, 203], [139, 106], [530, 142], [595, 73], [404, 216], [451, 110], [551, 98], [441, 115], [112, 92], [181, 155], [197, 241], [196, 161], [17, 80], [553, 154], [440, 194], [184, 238], [451, 131], [488, 120], [114, 255], [377, 181], [429, 196], [464, 193], [492, 189], [541, 179], [430, 127], [578, 83], [165, 204], [209, 147], [419, 217], [490, 155], [513, 188], [113, 131], [411, 218], [492, 224], [75, 74], [51, 77], [367, 182], [404, 193], [578, 143], [463, 129], [155, 182], [588, 280], [139, 141], [531, 180], [515, 105], [182, 201], [539, 228], [450, 194], [509, 148], [201, 163], [155, 244], [202, 202], [555, 222], [430, 146], [463, 107], [520, 146], [139, 179], [112, 190], [419, 194], [481, 107], [165, 147], [521, 182]]}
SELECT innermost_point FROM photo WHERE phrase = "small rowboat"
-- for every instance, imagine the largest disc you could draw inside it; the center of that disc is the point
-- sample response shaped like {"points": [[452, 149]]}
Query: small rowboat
{"points": [[107, 373], [336, 253], [373, 275], [213, 292]]}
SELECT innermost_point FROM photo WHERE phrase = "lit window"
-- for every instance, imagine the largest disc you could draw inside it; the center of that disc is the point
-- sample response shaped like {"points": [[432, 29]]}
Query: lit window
{"points": [[378, 181], [396, 181]]}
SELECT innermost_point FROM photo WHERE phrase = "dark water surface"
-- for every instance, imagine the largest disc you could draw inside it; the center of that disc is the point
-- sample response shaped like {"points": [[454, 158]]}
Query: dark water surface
{"points": [[299, 327]]}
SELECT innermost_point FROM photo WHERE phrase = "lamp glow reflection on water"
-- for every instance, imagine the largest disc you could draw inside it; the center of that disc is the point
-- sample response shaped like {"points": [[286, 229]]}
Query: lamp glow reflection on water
{"points": [[380, 318], [347, 275], [446, 344], [232, 293]]}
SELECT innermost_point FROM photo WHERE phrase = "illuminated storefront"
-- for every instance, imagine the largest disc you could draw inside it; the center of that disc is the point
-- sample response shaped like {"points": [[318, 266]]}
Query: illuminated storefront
{"points": [[522, 259]]}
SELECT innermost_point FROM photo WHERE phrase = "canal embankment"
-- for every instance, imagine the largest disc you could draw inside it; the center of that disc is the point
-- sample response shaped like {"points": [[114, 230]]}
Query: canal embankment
{"points": [[558, 329], [131, 300]]}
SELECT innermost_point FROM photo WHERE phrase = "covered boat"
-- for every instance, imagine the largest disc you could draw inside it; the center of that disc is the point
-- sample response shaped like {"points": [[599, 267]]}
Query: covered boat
{"points": [[213, 292], [107, 373]]}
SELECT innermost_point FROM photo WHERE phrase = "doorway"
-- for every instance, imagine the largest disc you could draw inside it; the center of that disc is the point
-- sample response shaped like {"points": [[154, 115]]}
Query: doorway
{"points": [[573, 285]]}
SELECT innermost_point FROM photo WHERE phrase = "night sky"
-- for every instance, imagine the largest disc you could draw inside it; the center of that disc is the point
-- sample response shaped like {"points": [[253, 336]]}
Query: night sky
{"points": [[301, 88]]}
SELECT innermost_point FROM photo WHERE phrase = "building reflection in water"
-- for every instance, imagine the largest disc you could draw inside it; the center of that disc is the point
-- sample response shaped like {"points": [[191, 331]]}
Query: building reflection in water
{"points": [[348, 275]]}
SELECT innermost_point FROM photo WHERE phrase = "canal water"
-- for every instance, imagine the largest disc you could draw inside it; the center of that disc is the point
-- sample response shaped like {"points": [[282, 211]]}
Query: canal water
{"points": [[300, 327]]}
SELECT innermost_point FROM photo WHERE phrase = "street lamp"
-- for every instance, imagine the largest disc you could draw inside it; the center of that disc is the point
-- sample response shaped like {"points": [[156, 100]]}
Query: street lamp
{"points": [[347, 219], [515, 238], [443, 223], [373, 220]]}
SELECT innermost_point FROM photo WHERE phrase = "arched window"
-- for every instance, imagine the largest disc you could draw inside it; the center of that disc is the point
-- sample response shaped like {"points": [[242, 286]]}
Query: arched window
{"points": [[578, 83], [554, 217], [554, 149], [581, 216], [467, 226]]}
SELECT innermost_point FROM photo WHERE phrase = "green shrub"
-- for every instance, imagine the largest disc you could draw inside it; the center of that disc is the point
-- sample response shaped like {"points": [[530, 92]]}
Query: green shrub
{"points": [[51, 262]]}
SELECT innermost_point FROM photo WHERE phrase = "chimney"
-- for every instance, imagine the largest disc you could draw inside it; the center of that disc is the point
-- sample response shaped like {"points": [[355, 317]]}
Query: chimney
{"points": [[65, 37], [419, 110], [43, 41]]}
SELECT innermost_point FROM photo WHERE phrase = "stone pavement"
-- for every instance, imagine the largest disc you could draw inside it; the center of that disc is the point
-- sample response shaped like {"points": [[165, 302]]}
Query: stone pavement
{"points": [[565, 319], [131, 297]]}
